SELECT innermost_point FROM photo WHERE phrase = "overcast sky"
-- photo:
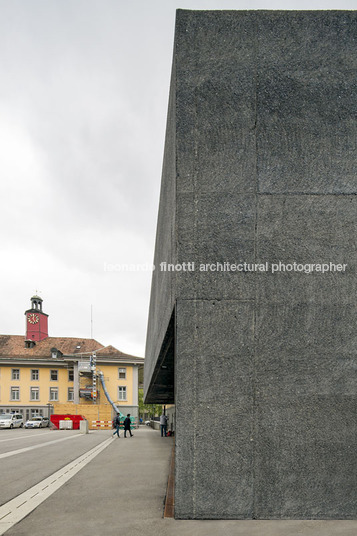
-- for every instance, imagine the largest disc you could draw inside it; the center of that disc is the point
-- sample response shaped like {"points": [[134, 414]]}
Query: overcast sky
{"points": [[83, 102]]}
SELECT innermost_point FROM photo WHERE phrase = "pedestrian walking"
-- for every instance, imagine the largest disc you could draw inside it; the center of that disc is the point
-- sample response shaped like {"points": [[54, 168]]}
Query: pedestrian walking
{"points": [[127, 424], [163, 425], [116, 424]]}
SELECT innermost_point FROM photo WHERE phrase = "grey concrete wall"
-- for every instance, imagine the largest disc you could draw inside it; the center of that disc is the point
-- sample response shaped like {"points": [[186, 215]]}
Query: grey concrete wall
{"points": [[162, 299], [263, 130]]}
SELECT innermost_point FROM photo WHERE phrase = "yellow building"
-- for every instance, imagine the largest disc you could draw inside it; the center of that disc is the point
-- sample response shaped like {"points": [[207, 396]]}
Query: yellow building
{"points": [[40, 375]]}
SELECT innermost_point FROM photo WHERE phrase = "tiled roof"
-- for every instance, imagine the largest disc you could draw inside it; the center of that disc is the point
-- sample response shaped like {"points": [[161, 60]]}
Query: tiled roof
{"points": [[13, 346], [110, 351]]}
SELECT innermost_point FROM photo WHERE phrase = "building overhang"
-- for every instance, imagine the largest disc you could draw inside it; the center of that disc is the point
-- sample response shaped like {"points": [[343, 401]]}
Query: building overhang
{"points": [[161, 389]]}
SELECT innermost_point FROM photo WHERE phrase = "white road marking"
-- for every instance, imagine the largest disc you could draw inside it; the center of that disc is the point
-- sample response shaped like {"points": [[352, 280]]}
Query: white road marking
{"points": [[25, 449], [15, 510], [28, 436]]}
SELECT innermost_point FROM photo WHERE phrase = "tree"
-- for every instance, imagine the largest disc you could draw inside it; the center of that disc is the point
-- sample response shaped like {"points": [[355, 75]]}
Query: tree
{"points": [[148, 409]]}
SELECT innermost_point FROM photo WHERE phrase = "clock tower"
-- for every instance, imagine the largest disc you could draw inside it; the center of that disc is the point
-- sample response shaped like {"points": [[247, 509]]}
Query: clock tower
{"points": [[36, 321]]}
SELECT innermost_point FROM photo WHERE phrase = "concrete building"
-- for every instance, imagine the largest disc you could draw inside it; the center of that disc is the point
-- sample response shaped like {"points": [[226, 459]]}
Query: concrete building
{"points": [[41, 374], [251, 328]]}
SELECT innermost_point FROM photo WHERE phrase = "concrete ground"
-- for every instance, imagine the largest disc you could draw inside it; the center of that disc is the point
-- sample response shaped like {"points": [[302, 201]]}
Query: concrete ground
{"points": [[122, 491]]}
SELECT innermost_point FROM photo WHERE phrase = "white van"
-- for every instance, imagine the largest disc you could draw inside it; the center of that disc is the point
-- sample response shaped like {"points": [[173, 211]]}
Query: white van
{"points": [[11, 420]]}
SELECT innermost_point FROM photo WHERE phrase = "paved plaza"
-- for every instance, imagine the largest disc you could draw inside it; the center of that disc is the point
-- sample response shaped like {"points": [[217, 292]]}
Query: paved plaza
{"points": [[120, 490]]}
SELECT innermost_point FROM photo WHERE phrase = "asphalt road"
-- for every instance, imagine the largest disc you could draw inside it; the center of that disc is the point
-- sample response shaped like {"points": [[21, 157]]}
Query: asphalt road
{"points": [[48, 451]]}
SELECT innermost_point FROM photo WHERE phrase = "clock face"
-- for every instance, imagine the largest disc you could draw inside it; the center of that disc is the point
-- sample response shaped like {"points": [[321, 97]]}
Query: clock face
{"points": [[33, 318]]}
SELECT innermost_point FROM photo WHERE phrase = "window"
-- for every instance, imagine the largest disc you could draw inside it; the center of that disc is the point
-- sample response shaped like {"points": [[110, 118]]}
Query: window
{"points": [[53, 393], [70, 375], [15, 393], [15, 375], [70, 396], [54, 375], [122, 373], [122, 393], [36, 413], [35, 393], [34, 374]]}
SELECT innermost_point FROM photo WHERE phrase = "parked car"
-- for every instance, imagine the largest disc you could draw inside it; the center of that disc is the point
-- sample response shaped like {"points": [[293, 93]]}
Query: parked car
{"points": [[11, 420], [37, 422]]}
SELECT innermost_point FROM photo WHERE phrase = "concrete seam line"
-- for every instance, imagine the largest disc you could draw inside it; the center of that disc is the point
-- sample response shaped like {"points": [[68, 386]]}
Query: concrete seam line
{"points": [[21, 506], [25, 449]]}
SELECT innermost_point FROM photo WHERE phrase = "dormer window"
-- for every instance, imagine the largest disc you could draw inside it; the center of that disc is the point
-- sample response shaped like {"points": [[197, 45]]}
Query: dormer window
{"points": [[29, 343], [55, 353]]}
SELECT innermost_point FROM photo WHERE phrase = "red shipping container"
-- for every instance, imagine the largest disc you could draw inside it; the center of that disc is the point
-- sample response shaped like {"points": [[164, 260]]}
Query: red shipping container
{"points": [[55, 419]]}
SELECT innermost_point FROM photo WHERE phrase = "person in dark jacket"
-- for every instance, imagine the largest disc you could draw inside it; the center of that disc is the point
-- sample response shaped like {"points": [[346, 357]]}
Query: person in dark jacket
{"points": [[127, 423], [116, 425]]}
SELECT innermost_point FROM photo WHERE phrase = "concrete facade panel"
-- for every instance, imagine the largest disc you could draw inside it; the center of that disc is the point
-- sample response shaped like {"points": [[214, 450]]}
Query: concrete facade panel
{"points": [[313, 471], [214, 360], [260, 167]]}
